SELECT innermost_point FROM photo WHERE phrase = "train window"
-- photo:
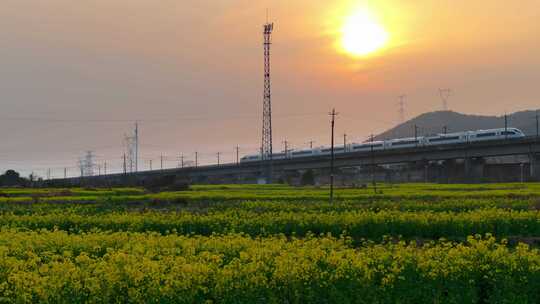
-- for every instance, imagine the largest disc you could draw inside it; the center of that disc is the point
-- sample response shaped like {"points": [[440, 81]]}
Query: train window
{"points": [[485, 134], [335, 150], [401, 143], [303, 153], [443, 138], [508, 133]]}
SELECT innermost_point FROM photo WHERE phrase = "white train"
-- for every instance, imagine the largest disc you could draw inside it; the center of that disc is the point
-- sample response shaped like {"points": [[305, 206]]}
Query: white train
{"points": [[400, 143]]}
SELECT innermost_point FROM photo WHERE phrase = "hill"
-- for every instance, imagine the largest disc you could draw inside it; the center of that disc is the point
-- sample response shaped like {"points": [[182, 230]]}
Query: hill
{"points": [[435, 122]]}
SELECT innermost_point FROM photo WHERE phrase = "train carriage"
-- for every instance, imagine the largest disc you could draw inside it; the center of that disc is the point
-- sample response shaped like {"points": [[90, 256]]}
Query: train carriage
{"points": [[401, 143]]}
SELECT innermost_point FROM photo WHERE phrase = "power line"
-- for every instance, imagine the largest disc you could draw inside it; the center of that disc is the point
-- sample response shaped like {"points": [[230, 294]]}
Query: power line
{"points": [[154, 120]]}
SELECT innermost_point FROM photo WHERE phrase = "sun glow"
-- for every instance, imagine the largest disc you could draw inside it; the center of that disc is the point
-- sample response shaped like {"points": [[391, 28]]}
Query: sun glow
{"points": [[362, 34]]}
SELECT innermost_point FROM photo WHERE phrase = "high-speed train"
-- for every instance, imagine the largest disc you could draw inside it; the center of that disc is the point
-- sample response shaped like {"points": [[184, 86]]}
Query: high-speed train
{"points": [[399, 143]]}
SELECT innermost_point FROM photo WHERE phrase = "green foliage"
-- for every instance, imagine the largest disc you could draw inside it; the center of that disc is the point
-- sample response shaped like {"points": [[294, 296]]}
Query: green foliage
{"points": [[12, 178]]}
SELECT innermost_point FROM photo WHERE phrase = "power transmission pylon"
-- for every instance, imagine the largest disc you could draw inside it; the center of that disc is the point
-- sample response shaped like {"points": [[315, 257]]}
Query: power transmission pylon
{"points": [[131, 143], [266, 144], [402, 108], [86, 164], [445, 95], [286, 145]]}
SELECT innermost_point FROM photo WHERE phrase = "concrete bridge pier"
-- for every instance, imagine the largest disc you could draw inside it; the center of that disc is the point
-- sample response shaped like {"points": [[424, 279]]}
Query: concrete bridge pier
{"points": [[474, 169], [534, 161]]}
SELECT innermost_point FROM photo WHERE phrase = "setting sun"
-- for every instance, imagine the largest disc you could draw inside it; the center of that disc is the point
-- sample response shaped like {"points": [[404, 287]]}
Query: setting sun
{"points": [[362, 34]]}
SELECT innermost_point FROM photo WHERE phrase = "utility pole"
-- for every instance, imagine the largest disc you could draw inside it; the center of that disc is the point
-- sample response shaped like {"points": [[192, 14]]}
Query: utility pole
{"points": [[65, 173], [105, 167], [161, 161], [415, 132], [196, 159], [373, 182], [125, 169], [311, 144], [81, 167], [48, 174], [333, 115], [150, 165], [99, 169], [182, 160], [345, 142], [218, 158], [445, 129], [237, 154]]}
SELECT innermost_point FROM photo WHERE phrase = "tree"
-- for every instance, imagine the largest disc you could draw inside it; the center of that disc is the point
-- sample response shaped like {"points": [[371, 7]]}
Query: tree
{"points": [[11, 178], [308, 178]]}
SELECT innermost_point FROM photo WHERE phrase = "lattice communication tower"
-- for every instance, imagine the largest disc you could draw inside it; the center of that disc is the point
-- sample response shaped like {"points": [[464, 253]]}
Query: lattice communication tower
{"points": [[266, 144]]}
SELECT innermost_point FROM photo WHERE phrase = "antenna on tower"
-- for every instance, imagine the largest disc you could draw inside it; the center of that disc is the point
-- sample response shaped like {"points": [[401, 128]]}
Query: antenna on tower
{"points": [[445, 95], [266, 144], [402, 108]]}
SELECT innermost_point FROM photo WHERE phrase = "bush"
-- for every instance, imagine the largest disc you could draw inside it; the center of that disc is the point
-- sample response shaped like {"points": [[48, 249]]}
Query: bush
{"points": [[165, 183], [308, 178]]}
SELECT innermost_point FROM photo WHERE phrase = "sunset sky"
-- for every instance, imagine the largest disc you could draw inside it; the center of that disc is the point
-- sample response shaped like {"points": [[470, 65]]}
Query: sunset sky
{"points": [[75, 75]]}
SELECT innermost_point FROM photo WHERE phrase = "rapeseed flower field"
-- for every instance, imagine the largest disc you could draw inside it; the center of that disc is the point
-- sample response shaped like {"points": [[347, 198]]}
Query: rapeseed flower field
{"points": [[416, 243]]}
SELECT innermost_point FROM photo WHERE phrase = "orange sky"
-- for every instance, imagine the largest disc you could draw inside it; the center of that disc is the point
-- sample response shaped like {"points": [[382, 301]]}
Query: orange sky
{"points": [[121, 60]]}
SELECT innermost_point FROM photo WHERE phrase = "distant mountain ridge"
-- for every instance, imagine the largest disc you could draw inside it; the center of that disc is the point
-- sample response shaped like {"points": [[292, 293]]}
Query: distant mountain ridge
{"points": [[434, 123]]}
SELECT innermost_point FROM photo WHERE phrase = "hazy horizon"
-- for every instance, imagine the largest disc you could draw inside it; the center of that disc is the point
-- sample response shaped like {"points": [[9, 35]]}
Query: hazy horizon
{"points": [[76, 76]]}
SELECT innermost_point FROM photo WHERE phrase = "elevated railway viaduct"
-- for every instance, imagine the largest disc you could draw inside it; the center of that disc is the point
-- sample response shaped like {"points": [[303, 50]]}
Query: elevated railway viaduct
{"points": [[444, 163]]}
